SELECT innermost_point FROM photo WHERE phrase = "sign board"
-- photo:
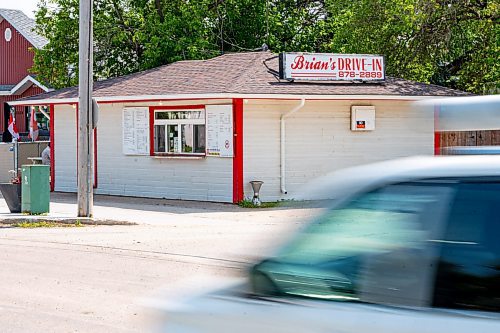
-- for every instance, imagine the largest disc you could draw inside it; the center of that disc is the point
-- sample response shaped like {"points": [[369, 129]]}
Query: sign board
{"points": [[331, 67], [219, 130], [362, 118], [136, 131]]}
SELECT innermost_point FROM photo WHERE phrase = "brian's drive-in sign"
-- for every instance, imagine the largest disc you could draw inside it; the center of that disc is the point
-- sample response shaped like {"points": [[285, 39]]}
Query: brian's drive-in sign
{"points": [[328, 66]]}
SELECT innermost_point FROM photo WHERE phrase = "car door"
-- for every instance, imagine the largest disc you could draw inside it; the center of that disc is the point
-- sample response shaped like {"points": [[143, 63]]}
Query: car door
{"points": [[372, 258], [467, 283]]}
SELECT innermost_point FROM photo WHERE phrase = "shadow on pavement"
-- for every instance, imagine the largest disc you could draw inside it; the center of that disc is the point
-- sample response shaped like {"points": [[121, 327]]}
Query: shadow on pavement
{"points": [[167, 205]]}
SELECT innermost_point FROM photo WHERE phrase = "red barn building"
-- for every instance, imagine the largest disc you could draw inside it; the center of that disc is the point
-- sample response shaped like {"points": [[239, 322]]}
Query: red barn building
{"points": [[17, 41]]}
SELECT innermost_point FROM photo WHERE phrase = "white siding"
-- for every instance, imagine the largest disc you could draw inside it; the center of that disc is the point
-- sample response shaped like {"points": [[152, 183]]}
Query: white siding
{"points": [[65, 148], [205, 179], [319, 140]]}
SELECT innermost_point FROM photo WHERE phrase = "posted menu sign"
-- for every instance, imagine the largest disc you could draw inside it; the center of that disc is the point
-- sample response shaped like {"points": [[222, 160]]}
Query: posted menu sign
{"points": [[219, 130], [136, 131]]}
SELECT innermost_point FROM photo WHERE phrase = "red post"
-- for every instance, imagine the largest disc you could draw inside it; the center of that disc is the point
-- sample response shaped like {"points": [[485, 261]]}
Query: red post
{"points": [[151, 131], [95, 157], [52, 148], [437, 134], [238, 194]]}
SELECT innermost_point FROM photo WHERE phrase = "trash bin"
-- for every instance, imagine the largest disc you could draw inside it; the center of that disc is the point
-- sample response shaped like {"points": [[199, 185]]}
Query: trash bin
{"points": [[35, 193], [12, 195]]}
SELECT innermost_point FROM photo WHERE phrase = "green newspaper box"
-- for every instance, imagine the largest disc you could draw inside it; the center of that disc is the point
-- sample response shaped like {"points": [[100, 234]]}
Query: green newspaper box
{"points": [[35, 193]]}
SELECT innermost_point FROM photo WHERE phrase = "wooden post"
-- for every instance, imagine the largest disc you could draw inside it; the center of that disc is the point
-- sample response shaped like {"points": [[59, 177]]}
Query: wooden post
{"points": [[85, 132]]}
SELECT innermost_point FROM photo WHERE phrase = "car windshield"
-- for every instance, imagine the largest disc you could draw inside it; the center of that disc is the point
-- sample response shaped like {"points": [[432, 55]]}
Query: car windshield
{"points": [[372, 223], [352, 250]]}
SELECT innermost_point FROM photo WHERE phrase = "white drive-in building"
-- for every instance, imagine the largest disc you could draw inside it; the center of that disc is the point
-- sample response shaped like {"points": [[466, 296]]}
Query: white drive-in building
{"points": [[202, 130]]}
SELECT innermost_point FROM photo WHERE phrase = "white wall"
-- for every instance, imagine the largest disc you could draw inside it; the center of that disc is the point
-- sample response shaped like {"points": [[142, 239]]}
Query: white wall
{"points": [[319, 140], [64, 148], [205, 179]]}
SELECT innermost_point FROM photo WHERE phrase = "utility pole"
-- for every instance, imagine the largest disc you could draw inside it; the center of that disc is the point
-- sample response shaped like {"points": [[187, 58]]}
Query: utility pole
{"points": [[85, 128]]}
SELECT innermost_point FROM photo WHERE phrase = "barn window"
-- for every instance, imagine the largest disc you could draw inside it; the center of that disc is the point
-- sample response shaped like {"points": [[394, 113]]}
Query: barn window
{"points": [[179, 131], [8, 34]]}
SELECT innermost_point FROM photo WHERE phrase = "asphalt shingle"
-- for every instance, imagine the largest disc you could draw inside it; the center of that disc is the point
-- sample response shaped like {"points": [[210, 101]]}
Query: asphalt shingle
{"points": [[239, 73], [25, 25]]}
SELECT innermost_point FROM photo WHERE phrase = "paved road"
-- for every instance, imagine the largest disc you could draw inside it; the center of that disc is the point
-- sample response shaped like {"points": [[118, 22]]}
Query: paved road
{"points": [[93, 279]]}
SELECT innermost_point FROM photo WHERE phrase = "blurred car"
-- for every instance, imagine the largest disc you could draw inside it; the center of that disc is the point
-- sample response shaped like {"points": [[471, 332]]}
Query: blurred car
{"points": [[471, 150], [407, 246]]}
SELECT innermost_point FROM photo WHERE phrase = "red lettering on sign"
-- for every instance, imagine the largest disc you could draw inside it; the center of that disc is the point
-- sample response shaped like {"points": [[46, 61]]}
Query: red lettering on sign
{"points": [[378, 65], [341, 64], [298, 62], [358, 64], [348, 64], [332, 64]]}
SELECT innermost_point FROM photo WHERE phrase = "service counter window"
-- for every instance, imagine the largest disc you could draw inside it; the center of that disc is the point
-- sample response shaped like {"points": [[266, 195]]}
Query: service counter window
{"points": [[193, 131], [180, 132]]}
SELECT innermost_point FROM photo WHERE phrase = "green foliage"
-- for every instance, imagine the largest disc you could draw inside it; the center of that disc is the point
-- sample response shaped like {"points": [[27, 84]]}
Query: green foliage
{"points": [[448, 42], [247, 203], [45, 224], [454, 43]]}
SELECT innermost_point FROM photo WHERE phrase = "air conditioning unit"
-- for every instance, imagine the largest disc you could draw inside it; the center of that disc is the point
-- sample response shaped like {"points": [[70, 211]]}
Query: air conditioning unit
{"points": [[362, 118]]}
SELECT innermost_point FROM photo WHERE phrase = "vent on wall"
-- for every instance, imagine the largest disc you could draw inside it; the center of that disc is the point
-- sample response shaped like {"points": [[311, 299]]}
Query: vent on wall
{"points": [[362, 118]]}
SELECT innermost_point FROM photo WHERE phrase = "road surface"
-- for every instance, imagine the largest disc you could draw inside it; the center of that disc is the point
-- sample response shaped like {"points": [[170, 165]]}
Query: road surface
{"points": [[94, 279]]}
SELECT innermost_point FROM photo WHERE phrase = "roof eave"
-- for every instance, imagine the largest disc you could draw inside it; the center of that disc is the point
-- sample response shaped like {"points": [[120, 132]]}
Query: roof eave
{"points": [[153, 98], [24, 85]]}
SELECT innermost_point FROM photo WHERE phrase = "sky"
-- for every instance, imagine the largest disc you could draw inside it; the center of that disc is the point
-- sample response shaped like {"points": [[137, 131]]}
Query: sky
{"points": [[27, 6]]}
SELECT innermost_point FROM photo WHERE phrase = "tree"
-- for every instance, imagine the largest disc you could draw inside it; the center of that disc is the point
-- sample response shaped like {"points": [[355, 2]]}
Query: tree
{"points": [[448, 42]]}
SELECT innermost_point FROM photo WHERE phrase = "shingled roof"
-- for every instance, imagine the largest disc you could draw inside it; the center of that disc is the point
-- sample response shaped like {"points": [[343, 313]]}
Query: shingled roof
{"points": [[254, 73], [25, 26]]}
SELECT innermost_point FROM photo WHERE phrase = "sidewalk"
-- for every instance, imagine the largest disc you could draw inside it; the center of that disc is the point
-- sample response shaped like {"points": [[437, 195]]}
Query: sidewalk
{"points": [[129, 210], [114, 210]]}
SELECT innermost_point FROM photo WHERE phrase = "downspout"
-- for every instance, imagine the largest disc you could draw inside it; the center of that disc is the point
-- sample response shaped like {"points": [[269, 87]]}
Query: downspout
{"points": [[283, 143]]}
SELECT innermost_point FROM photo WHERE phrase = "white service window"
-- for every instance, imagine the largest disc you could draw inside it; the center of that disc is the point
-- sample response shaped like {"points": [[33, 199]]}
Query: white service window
{"points": [[180, 132]]}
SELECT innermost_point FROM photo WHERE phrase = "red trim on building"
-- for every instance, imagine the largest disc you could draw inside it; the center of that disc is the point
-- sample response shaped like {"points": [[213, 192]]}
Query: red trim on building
{"points": [[77, 131], [176, 107], [28, 103], [238, 194], [437, 134], [52, 149], [152, 121], [95, 157], [151, 131]]}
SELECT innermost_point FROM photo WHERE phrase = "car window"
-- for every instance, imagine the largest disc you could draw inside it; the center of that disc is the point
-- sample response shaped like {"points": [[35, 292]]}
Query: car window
{"points": [[468, 273], [332, 258]]}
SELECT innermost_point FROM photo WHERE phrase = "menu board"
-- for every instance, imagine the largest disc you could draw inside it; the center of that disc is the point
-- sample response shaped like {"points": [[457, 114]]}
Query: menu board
{"points": [[136, 131], [219, 130]]}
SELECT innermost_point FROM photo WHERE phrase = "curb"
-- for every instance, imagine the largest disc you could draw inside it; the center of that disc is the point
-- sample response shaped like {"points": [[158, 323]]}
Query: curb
{"points": [[63, 220]]}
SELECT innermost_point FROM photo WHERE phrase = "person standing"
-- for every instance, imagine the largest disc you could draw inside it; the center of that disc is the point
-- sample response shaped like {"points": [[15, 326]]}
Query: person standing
{"points": [[46, 155]]}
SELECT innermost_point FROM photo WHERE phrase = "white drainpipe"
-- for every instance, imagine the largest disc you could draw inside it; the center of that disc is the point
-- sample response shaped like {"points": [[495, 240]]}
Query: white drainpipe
{"points": [[283, 142]]}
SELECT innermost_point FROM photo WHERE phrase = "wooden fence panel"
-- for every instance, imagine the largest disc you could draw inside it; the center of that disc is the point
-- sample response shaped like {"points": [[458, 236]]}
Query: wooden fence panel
{"points": [[470, 138]]}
